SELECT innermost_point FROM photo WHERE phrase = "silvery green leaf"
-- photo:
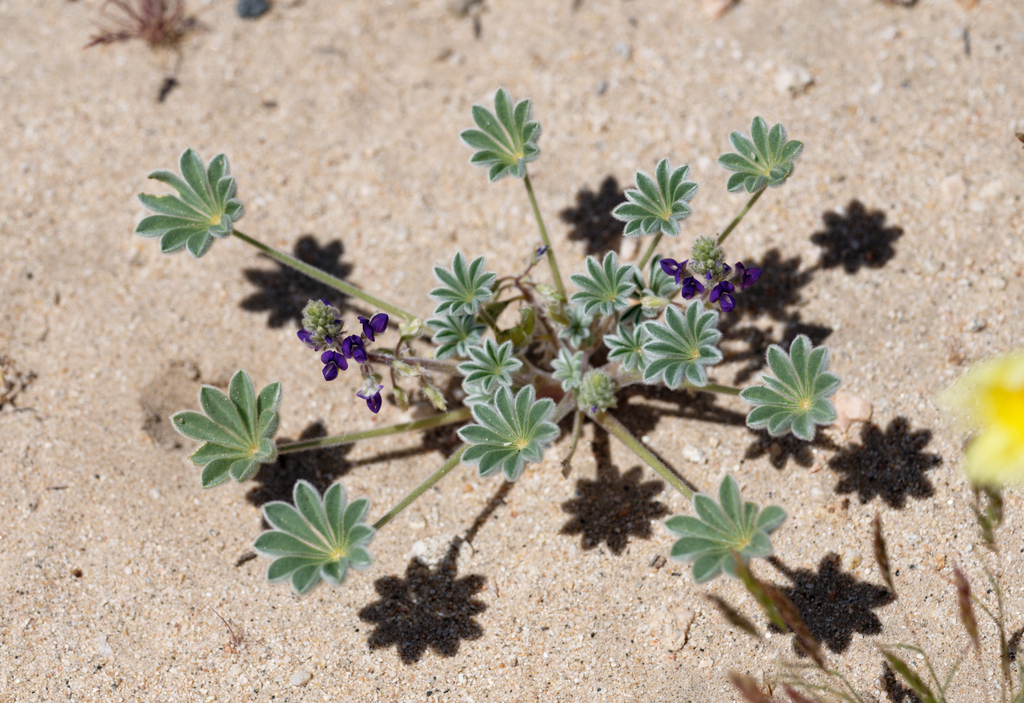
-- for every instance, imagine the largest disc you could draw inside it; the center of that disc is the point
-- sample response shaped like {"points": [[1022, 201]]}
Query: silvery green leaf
{"points": [[237, 429], [626, 346], [490, 366], [568, 369], [722, 528], [475, 394], [682, 346], [454, 335], [796, 397], [204, 208], [511, 432], [315, 539], [463, 288], [606, 287], [506, 139], [657, 204], [763, 159], [578, 330], [659, 285]]}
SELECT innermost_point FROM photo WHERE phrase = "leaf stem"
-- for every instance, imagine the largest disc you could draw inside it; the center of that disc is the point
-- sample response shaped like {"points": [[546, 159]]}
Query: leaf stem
{"points": [[613, 426], [440, 365], [544, 237], [324, 277], [650, 250], [446, 467], [736, 220], [577, 427], [335, 440]]}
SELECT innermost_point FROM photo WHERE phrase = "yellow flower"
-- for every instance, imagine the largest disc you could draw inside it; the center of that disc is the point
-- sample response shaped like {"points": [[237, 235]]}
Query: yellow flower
{"points": [[989, 401]]}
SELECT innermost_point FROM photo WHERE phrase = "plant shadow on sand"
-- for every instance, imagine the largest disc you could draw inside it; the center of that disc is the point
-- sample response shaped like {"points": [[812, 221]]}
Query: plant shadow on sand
{"points": [[430, 607], [284, 292], [613, 507]]}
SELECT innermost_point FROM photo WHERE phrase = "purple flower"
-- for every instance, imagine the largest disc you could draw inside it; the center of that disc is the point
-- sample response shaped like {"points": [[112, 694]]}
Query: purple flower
{"points": [[691, 287], [306, 337], [353, 348], [671, 267], [371, 394], [332, 361], [377, 324], [722, 294], [747, 276]]}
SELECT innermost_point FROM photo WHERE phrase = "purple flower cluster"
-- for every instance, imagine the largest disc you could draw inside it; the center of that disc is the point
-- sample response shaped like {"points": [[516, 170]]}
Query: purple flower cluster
{"points": [[715, 289], [335, 357]]}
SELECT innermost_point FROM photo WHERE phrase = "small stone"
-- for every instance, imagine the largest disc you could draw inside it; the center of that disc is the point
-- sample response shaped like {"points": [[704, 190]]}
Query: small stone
{"points": [[691, 453], [601, 88], [714, 442], [300, 678], [251, 9], [416, 521], [852, 559], [716, 8], [850, 409], [674, 625], [930, 267], [154, 493], [953, 188], [976, 325], [434, 551], [706, 662], [623, 49], [102, 648], [991, 190], [996, 283], [793, 80]]}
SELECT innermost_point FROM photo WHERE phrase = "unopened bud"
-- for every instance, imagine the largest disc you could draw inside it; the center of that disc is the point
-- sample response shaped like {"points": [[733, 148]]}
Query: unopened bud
{"points": [[435, 397]]}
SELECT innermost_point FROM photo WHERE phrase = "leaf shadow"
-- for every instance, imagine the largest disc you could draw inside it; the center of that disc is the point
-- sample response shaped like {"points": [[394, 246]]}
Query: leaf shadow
{"points": [[833, 604], [283, 291], [613, 507], [276, 481], [591, 219], [430, 608], [781, 450], [890, 464], [854, 237]]}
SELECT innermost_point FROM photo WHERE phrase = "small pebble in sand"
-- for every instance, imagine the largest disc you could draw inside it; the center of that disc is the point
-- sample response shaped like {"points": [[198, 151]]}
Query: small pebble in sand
{"points": [[850, 409], [251, 9], [952, 188], [691, 453], [300, 678]]}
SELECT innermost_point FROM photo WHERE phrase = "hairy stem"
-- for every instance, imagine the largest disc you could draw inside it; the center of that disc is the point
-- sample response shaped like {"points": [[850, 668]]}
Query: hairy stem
{"points": [[614, 427], [736, 220], [650, 250], [324, 277], [446, 467], [544, 238], [335, 440], [577, 427]]}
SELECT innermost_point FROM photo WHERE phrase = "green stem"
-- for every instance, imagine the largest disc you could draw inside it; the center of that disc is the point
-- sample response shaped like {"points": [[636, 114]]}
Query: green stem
{"points": [[324, 277], [544, 238], [736, 220], [446, 467], [650, 250], [613, 426], [333, 441]]}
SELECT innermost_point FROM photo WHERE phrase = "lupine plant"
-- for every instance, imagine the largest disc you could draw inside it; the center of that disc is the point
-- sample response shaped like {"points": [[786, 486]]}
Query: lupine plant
{"points": [[527, 351]]}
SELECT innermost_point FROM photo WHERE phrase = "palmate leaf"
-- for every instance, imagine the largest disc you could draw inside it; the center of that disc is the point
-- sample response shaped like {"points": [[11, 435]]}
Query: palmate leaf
{"points": [[506, 139], [626, 346], [682, 346], [578, 330], [455, 334], [237, 430], [490, 366], [764, 160], [796, 397], [464, 288], [721, 529], [204, 208], [657, 204], [606, 287], [568, 368], [660, 285], [315, 539], [512, 431]]}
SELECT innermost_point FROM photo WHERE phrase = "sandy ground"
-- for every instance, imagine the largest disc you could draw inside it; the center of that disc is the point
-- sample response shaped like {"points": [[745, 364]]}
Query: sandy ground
{"points": [[898, 243]]}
